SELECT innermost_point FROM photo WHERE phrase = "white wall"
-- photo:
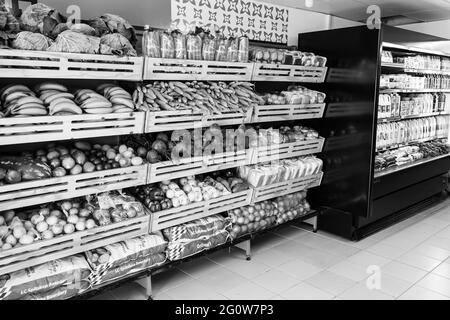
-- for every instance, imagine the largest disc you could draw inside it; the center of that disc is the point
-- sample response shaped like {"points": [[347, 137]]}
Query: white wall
{"points": [[435, 28]]}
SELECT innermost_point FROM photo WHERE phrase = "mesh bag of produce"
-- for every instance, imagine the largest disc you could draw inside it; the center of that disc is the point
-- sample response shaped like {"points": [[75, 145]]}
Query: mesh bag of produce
{"points": [[119, 44], [184, 249], [203, 227], [70, 274], [180, 45], [26, 40], [69, 41], [194, 47], [167, 46], [125, 258]]}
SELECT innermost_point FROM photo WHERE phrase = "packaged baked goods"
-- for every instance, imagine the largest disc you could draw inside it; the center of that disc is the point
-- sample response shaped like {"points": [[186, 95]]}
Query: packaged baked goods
{"points": [[233, 49], [221, 48], [167, 46], [179, 40], [209, 47], [194, 47], [244, 47]]}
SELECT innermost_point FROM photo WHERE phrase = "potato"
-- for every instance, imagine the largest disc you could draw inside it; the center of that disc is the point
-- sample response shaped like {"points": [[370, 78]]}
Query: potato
{"points": [[73, 212], [66, 205], [42, 227], [57, 229], [69, 228], [56, 213], [36, 219], [90, 224], [28, 225], [73, 219], [6, 246], [19, 232], [3, 231], [47, 235], [84, 213], [2, 221], [8, 215], [26, 239], [51, 221], [80, 226], [11, 240]]}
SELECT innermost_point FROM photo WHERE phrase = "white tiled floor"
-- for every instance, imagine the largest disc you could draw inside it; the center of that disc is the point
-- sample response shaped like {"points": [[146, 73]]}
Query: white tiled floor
{"points": [[413, 258]]}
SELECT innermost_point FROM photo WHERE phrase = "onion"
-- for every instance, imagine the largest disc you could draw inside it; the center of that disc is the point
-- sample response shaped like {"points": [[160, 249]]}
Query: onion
{"points": [[57, 229], [3, 231], [2, 221], [73, 219], [51, 221], [66, 205], [90, 224], [28, 225], [47, 235], [11, 240], [44, 212], [42, 227], [26, 239], [80, 226], [73, 212], [8, 215], [19, 232], [6, 246], [69, 228]]}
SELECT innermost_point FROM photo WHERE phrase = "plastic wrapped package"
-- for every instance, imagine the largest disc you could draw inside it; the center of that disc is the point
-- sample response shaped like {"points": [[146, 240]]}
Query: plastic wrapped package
{"points": [[119, 260], [167, 46], [153, 44], [209, 48], [194, 47], [196, 229], [233, 50], [179, 40], [244, 47], [221, 49], [57, 279]]}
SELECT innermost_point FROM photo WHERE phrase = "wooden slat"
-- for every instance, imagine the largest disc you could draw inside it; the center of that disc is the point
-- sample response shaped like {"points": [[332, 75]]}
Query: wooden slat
{"points": [[288, 150], [274, 113], [288, 73]]}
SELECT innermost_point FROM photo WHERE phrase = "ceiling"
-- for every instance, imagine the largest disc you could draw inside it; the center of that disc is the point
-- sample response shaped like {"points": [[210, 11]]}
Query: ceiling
{"points": [[410, 11]]}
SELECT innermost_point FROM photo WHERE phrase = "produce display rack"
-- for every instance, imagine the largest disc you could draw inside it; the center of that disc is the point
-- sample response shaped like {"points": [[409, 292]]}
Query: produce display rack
{"points": [[64, 246], [60, 65], [54, 128], [55, 189], [38, 65]]}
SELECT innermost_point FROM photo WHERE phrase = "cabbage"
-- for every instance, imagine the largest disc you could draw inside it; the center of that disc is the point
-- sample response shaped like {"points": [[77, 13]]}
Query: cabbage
{"points": [[118, 24], [83, 28], [31, 41], [7, 21], [33, 17], [119, 44], [70, 41], [99, 26]]}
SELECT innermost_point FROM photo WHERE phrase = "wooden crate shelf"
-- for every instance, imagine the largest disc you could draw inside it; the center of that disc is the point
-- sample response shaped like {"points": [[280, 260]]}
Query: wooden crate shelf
{"points": [[286, 187], [161, 121], [288, 73], [48, 190], [287, 150], [56, 128], [60, 65], [270, 113], [189, 70], [67, 245], [176, 216], [169, 170]]}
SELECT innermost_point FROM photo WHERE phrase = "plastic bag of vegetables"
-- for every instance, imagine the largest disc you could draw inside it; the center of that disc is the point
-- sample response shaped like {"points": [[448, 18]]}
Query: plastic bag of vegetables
{"points": [[119, 44], [70, 275], [121, 259], [26, 40], [75, 42]]}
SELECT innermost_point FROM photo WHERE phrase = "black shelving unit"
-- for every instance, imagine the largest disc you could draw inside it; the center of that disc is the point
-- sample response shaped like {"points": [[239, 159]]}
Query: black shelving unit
{"points": [[357, 201]]}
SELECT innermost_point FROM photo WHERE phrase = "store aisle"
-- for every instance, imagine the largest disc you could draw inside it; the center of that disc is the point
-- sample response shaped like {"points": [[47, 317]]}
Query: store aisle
{"points": [[293, 263]]}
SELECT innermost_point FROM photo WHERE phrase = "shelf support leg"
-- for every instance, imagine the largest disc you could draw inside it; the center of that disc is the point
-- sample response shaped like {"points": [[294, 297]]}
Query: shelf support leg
{"points": [[148, 287], [247, 247]]}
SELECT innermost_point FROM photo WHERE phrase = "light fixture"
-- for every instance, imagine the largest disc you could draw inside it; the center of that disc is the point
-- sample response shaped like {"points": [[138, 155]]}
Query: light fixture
{"points": [[309, 3]]}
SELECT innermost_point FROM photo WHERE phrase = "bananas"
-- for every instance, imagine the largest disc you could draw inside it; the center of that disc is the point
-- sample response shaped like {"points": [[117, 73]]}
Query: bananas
{"points": [[19, 100], [51, 98]]}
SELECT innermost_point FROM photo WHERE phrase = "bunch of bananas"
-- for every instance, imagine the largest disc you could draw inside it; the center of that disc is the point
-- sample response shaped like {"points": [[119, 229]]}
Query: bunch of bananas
{"points": [[58, 99], [20, 101], [121, 100]]}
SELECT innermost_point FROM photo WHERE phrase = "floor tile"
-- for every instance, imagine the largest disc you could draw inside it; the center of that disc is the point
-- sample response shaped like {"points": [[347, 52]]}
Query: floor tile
{"points": [[267, 242], [419, 261], [199, 267], [276, 281], [419, 293], [367, 259], [299, 269], [129, 291], [361, 292], [330, 282], [248, 269], [403, 271], [223, 256], [166, 280], [193, 290], [162, 297], [431, 252], [321, 259], [436, 283], [277, 297], [394, 286], [386, 251], [288, 232], [272, 257], [304, 291], [350, 270], [222, 280], [248, 291], [443, 270]]}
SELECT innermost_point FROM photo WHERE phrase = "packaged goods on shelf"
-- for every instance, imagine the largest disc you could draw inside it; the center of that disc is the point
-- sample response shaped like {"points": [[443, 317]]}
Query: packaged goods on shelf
{"points": [[55, 99], [266, 174], [286, 57], [54, 280], [407, 131], [62, 160], [193, 237], [122, 259], [294, 95], [417, 62], [198, 44], [405, 81], [386, 57], [410, 154], [210, 98]]}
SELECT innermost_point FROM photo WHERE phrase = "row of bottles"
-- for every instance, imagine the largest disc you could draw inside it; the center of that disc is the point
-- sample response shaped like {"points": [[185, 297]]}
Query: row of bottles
{"points": [[393, 134], [395, 105], [405, 81]]}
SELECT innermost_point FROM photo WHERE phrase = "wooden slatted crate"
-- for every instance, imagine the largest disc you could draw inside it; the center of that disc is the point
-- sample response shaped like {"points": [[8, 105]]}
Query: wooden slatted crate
{"points": [[288, 73], [67, 245], [61, 65], [270, 113], [41, 191], [287, 187], [57, 128], [287, 150], [161, 121], [178, 69], [176, 216], [169, 170]]}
